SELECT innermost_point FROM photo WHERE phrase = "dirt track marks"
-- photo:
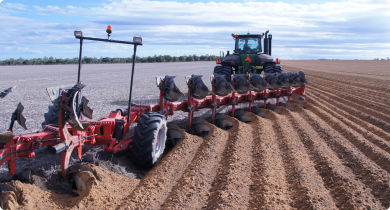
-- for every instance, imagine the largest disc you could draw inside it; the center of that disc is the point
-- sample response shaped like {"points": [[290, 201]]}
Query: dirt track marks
{"points": [[346, 190], [156, 186], [193, 188], [356, 157], [231, 186], [354, 122], [270, 185], [308, 193]]}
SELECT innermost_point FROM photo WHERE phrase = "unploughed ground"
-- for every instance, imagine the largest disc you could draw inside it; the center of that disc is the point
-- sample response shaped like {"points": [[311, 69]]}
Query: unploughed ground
{"points": [[333, 154]]}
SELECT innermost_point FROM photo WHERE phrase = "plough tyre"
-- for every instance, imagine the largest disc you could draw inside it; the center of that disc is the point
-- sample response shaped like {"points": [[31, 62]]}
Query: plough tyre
{"points": [[149, 139]]}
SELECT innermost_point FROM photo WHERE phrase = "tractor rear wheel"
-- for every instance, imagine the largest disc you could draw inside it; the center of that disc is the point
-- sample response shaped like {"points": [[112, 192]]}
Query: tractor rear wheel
{"points": [[272, 68], [278, 69], [51, 117], [149, 139], [224, 70], [269, 68]]}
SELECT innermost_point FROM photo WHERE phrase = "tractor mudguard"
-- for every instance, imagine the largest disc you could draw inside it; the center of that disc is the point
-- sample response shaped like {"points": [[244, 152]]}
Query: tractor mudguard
{"points": [[231, 60], [264, 58]]}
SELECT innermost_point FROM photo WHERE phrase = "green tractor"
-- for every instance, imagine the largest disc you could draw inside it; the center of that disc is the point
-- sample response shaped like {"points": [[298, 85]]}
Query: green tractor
{"points": [[249, 57]]}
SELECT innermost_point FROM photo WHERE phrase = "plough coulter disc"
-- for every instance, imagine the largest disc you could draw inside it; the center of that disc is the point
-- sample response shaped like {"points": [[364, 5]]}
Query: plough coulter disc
{"points": [[81, 177], [221, 85], [241, 84], [258, 81], [223, 121], [149, 139], [170, 92], [174, 134], [198, 89], [200, 127], [243, 116], [81, 181]]}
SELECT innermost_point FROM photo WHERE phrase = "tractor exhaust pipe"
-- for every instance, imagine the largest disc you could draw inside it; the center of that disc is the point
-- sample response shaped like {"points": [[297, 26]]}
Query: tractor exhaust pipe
{"points": [[270, 45], [266, 43]]}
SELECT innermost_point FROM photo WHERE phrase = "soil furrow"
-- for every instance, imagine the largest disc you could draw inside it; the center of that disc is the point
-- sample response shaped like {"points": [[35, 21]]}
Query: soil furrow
{"points": [[354, 111], [193, 188], [363, 100], [157, 185], [231, 186], [368, 81], [307, 193], [376, 154], [381, 143], [269, 189], [369, 127], [365, 170], [351, 89], [355, 104], [347, 191]]}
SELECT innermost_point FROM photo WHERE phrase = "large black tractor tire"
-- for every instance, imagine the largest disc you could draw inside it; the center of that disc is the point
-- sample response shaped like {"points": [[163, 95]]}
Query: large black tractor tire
{"points": [[278, 69], [51, 117], [224, 70], [149, 140], [272, 68]]}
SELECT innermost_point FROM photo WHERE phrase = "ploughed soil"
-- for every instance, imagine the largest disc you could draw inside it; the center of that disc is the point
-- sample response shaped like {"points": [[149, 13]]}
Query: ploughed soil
{"points": [[334, 153]]}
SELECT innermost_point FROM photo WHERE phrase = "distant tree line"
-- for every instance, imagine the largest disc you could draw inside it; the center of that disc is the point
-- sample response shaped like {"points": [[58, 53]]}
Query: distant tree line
{"points": [[149, 59]]}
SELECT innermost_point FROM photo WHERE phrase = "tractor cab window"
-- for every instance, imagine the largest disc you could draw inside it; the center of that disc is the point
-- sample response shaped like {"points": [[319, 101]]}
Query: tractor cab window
{"points": [[248, 45]]}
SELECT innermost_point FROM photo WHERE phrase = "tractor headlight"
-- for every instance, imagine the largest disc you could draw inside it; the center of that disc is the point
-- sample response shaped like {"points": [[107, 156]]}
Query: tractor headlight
{"points": [[78, 33], [137, 39]]}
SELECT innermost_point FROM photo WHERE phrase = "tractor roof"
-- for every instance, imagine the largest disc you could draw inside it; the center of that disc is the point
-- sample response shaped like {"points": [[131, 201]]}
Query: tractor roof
{"points": [[248, 34]]}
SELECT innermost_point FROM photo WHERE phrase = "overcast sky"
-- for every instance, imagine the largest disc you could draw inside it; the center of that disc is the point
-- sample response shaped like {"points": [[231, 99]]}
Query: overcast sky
{"points": [[301, 29]]}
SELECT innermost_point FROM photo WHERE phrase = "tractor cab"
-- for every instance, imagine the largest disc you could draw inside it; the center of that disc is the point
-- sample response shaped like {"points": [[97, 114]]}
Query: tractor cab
{"points": [[248, 44]]}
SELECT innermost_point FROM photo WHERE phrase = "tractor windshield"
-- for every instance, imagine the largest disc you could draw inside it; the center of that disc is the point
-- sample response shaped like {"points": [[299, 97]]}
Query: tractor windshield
{"points": [[248, 45]]}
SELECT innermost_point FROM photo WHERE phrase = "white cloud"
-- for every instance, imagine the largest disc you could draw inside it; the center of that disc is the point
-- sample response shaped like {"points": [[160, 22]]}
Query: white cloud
{"points": [[18, 6], [178, 27]]}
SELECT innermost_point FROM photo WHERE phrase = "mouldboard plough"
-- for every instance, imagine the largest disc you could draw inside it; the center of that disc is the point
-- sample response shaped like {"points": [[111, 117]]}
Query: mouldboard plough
{"points": [[65, 129]]}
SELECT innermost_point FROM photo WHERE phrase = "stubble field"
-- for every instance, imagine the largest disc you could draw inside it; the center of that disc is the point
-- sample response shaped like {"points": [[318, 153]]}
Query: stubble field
{"points": [[332, 154]]}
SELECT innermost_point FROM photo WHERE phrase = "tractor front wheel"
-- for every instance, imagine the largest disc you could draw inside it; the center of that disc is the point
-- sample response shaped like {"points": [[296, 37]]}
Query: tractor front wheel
{"points": [[149, 140], [224, 70]]}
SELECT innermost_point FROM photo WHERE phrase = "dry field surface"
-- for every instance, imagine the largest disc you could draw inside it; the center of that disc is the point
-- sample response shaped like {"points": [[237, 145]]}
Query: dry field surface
{"points": [[333, 154]]}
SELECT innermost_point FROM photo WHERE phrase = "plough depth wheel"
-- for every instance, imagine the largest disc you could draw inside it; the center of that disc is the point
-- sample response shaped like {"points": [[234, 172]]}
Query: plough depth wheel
{"points": [[149, 139]]}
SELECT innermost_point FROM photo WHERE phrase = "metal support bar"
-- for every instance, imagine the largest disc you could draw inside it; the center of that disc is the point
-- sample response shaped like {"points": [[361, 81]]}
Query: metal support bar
{"points": [[80, 60], [131, 83], [108, 40]]}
